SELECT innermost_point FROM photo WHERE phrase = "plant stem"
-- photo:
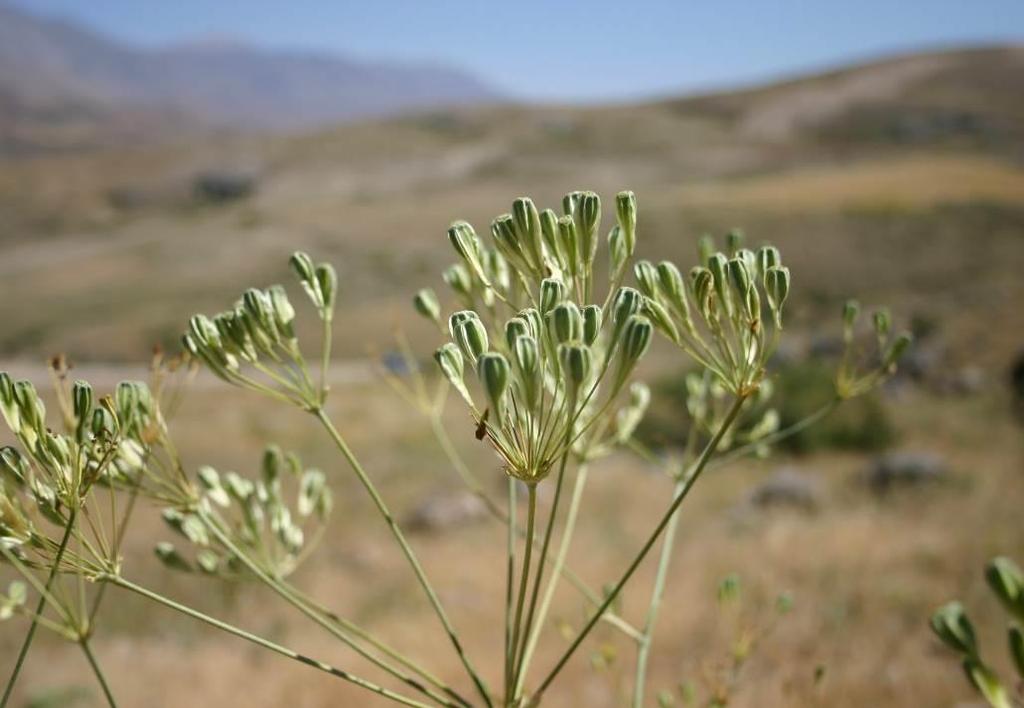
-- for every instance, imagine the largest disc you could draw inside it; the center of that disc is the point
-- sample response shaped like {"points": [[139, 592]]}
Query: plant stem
{"points": [[84, 643], [318, 617], [510, 572], [396, 531], [260, 641], [30, 635], [524, 581], [644, 644], [698, 468], [559, 564]]}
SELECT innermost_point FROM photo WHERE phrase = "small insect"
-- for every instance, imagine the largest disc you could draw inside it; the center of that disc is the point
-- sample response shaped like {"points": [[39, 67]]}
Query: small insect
{"points": [[481, 428]]}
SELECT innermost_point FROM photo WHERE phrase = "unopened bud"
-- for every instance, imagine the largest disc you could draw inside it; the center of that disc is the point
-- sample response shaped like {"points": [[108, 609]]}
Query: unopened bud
{"points": [[471, 336], [851, 312], [734, 241], [1007, 582], [569, 240], [625, 212], [526, 356], [426, 304], [458, 279], [527, 223], [618, 249], [776, 287], [576, 364], [636, 338], [565, 323], [767, 257], [589, 221], [327, 278], [953, 627], [552, 292], [494, 375], [591, 323], [549, 231], [646, 278], [514, 329]]}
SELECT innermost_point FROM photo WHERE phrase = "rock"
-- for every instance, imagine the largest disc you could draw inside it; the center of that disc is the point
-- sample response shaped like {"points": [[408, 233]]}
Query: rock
{"points": [[788, 488], [443, 511], [905, 469], [223, 185]]}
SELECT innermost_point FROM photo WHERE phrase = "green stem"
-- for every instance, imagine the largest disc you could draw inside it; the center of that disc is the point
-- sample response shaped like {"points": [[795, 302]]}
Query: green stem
{"points": [[396, 531], [27, 644], [316, 616], [699, 467], [559, 564], [84, 643], [510, 572], [524, 581], [260, 641], [778, 435], [650, 621]]}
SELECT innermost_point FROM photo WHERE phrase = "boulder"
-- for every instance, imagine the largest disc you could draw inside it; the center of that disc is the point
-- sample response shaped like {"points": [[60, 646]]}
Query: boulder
{"points": [[788, 488]]}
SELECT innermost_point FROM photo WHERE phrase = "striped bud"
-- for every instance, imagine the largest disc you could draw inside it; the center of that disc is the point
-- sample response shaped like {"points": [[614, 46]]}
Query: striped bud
{"points": [[703, 291], [327, 278], [272, 465], [458, 279], [625, 213], [576, 364], [257, 306], [646, 278], [503, 231], [426, 304], [674, 289], [776, 287], [302, 264], [569, 241], [494, 375], [565, 323], [471, 336], [514, 329], [465, 242], [591, 323], [953, 627], [527, 224], [636, 338], [661, 319], [81, 401], [526, 357], [552, 292], [1006, 580], [627, 302], [618, 250], [718, 265], [549, 231], [533, 319], [284, 313], [450, 361], [767, 257], [13, 466], [588, 222], [8, 406], [30, 406], [740, 276], [496, 268], [570, 202]]}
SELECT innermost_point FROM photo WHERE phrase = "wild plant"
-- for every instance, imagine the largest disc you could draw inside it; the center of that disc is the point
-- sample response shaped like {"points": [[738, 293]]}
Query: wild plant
{"points": [[952, 625], [542, 352]]}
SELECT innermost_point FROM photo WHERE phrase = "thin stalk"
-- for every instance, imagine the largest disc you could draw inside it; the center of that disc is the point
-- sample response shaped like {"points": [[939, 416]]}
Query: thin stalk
{"points": [[260, 641], [30, 635], [524, 581], [644, 645], [698, 468], [559, 564], [396, 531], [545, 544], [318, 618], [510, 571], [100, 678], [778, 435]]}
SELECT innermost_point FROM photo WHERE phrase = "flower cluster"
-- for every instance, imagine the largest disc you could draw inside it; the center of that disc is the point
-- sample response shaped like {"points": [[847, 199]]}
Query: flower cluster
{"points": [[853, 379]]}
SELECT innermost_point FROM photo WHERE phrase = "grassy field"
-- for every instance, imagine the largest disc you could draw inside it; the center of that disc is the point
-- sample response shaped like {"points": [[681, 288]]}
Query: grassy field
{"points": [[106, 252]]}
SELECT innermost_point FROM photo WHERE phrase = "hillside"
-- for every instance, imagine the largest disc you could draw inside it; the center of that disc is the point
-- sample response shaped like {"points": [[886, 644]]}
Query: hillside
{"points": [[882, 179], [62, 85]]}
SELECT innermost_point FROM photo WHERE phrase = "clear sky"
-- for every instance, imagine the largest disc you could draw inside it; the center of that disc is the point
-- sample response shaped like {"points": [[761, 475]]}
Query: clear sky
{"points": [[572, 50]]}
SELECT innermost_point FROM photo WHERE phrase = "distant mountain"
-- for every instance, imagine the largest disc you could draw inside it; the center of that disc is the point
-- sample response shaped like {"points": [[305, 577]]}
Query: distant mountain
{"points": [[65, 84]]}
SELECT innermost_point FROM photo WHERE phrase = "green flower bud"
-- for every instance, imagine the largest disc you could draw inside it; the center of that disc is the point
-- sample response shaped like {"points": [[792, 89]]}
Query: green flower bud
{"points": [[951, 625], [8, 406], [753, 304], [749, 259], [776, 287], [552, 292], [450, 361], [471, 336], [899, 346], [565, 323], [494, 375], [257, 305], [636, 338], [703, 291], [1016, 641], [660, 318], [626, 303], [591, 324], [569, 240], [883, 324], [576, 364], [532, 318], [170, 557], [210, 481], [549, 231], [527, 224], [734, 241], [588, 222], [327, 278], [284, 313], [81, 402], [272, 465], [302, 264], [672, 285], [497, 270], [30, 406], [740, 276], [526, 357], [625, 212], [618, 252], [647, 278], [464, 240], [14, 466], [705, 248], [514, 329], [103, 424], [312, 486], [570, 202], [851, 311], [767, 257], [503, 231], [426, 304], [718, 264], [1007, 582], [458, 279]]}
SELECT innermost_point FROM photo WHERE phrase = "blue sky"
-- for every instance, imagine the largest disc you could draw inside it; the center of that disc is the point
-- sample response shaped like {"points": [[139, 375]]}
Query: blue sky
{"points": [[573, 50]]}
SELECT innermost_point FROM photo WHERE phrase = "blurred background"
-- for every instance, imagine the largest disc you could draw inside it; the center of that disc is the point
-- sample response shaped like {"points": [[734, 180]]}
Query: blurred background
{"points": [[156, 159]]}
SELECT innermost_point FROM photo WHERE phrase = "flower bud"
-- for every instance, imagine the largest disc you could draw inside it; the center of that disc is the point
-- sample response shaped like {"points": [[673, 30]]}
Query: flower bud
{"points": [[660, 318], [272, 464], [8, 406], [646, 278], [740, 276], [636, 337], [851, 311], [471, 336], [13, 466], [570, 243], [526, 356], [591, 324], [672, 285], [465, 242], [494, 374], [458, 279], [302, 264], [327, 278], [30, 406], [883, 324], [776, 287], [718, 264], [705, 248], [169, 556], [618, 252], [81, 401], [257, 306], [570, 202], [1007, 582], [734, 241], [527, 224], [497, 270], [565, 323], [532, 318], [503, 231], [625, 212], [552, 292], [426, 304], [549, 231], [627, 302], [951, 625], [210, 481], [514, 329], [576, 364], [767, 256], [450, 361], [588, 222], [284, 313]]}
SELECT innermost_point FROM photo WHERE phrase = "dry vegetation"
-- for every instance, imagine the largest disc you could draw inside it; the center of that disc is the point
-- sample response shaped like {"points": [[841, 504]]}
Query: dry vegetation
{"points": [[935, 228]]}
